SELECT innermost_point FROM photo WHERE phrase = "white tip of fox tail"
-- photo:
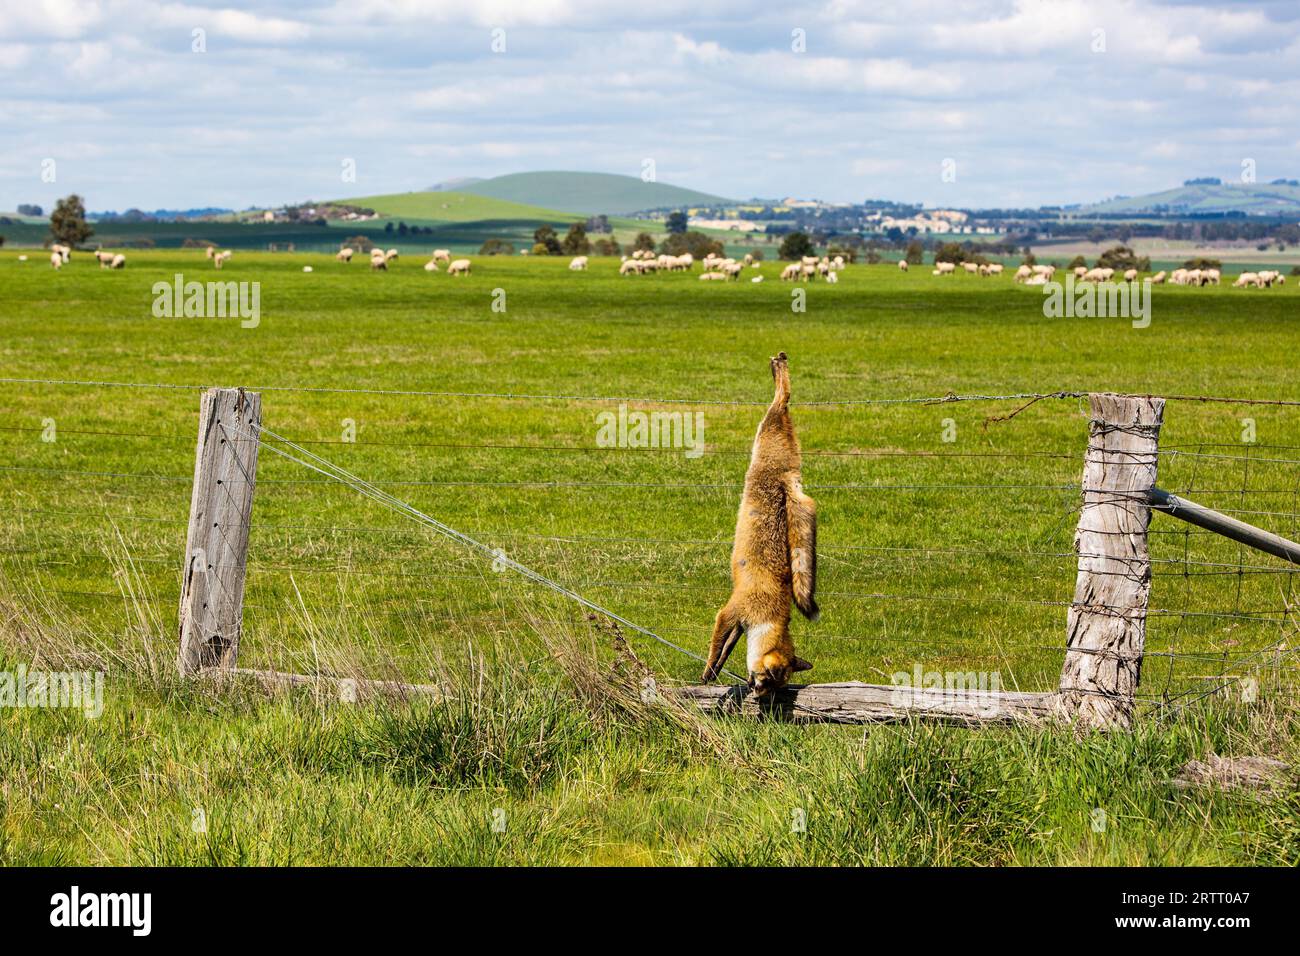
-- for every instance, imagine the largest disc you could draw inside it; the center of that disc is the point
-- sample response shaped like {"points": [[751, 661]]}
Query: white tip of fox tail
{"points": [[816, 616]]}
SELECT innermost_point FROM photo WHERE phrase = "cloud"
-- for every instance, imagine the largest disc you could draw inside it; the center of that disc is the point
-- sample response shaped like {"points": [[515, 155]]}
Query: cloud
{"points": [[1018, 91]]}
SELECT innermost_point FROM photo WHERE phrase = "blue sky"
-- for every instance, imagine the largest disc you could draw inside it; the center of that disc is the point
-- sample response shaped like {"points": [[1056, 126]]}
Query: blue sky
{"points": [[1034, 101]]}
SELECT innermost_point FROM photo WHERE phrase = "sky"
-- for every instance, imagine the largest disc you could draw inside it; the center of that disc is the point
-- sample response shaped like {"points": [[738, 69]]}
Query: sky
{"points": [[973, 103]]}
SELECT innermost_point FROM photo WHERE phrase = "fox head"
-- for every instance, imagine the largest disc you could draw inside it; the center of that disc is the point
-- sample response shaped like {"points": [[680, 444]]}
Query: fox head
{"points": [[774, 670]]}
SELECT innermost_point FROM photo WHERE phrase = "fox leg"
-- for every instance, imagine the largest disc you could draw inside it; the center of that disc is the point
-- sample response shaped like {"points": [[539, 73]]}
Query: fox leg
{"points": [[781, 375], [726, 632], [801, 523]]}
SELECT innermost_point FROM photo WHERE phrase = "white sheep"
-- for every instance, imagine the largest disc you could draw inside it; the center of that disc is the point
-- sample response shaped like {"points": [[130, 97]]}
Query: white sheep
{"points": [[378, 260], [1023, 273], [791, 272], [307, 269], [944, 268], [390, 255], [832, 277], [56, 260], [1130, 275], [458, 267], [442, 255], [756, 279], [712, 276], [902, 265], [1158, 278], [1080, 271], [119, 262], [344, 254], [579, 264], [431, 265], [209, 251]]}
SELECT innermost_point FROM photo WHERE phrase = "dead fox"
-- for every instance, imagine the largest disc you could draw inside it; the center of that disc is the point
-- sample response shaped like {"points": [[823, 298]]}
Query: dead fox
{"points": [[774, 558]]}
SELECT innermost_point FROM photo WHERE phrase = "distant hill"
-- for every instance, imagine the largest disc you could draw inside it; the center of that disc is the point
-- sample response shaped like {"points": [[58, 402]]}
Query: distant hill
{"points": [[457, 207], [590, 193], [455, 185], [1255, 199]]}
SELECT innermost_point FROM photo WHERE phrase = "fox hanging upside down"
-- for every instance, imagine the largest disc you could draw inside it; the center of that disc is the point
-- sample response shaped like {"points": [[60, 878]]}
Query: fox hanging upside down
{"points": [[775, 555]]}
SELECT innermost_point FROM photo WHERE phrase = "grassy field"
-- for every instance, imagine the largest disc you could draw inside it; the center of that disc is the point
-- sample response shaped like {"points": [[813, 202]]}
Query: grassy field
{"points": [[947, 555]]}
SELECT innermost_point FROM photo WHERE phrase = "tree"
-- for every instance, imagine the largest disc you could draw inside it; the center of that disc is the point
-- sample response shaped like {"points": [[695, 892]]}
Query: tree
{"points": [[696, 243], [795, 245], [496, 247], [545, 237], [599, 224], [644, 242], [950, 252], [676, 222], [29, 209], [606, 247], [1118, 258], [1076, 262], [915, 254], [360, 243], [68, 222], [576, 242]]}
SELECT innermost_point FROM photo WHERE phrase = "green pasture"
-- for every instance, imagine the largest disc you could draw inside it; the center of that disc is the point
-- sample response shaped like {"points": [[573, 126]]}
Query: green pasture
{"points": [[943, 555]]}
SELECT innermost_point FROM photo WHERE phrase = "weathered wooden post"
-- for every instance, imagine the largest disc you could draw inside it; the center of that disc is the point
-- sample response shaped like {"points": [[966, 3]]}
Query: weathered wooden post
{"points": [[216, 547], [1106, 627]]}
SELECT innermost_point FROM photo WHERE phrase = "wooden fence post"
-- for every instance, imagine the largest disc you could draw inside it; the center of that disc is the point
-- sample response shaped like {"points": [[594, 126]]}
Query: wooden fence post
{"points": [[216, 547], [1106, 627]]}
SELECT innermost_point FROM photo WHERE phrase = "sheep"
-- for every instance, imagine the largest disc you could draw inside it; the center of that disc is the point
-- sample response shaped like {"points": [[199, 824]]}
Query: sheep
{"points": [[431, 265], [832, 277], [105, 258], [1039, 279], [442, 255], [807, 273], [791, 272], [1094, 275], [22, 258], [1130, 275], [902, 265], [221, 258], [1245, 279], [307, 269], [809, 261], [458, 267], [630, 267], [344, 254], [712, 276], [1178, 277], [378, 260], [756, 279], [208, 251], [749, 258], [1158, 278], [944, 268], [970, 267], [391, 255], [1080, 271], [579, 264], [1044, 270], [64, 252], [838, 263], [1023, 273], [56, 260], [1212, 277], [119, 262]]}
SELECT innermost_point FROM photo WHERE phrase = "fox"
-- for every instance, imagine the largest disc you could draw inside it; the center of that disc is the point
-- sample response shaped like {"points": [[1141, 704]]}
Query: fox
{"points": [[774, 557]]}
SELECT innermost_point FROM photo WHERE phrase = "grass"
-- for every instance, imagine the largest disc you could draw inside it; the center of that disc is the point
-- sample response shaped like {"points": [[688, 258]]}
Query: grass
{"points": [[950, 555]]}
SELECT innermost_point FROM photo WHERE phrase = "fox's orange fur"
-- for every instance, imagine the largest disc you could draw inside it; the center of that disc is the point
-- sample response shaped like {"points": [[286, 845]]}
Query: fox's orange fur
{"points": [[774, 559]]}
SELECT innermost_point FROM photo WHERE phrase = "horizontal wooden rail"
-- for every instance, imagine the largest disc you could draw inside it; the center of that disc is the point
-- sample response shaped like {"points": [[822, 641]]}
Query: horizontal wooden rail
{"points": [[858, 703]]}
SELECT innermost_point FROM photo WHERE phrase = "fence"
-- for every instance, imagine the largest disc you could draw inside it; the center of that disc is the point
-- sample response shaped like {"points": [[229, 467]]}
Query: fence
{"points": [[952, 613]]}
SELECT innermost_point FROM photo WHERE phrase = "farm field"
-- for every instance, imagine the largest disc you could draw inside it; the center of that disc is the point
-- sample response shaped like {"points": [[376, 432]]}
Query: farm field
{"points": [[944, 545]]}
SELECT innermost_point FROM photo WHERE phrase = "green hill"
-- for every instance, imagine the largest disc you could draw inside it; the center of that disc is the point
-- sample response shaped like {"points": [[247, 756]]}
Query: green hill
{"points": [[458, 207], [590, 193], [1256, 199]]}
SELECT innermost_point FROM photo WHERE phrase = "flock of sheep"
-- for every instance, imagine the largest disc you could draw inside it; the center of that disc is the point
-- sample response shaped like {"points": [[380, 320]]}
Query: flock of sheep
{"points": [[719, 268], [379, 260]]}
